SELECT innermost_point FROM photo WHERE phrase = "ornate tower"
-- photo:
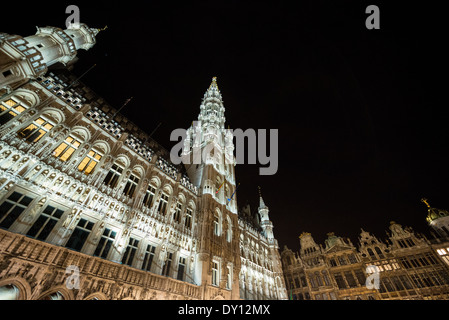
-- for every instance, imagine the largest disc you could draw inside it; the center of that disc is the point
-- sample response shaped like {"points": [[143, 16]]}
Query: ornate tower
{"points": [[209, 161], [265, 222], [438, 219], [25, 58]]}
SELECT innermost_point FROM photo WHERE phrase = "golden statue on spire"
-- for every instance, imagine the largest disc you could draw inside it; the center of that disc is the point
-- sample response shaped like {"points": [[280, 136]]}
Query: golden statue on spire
{"points": [[214, 82], [424, 200]]}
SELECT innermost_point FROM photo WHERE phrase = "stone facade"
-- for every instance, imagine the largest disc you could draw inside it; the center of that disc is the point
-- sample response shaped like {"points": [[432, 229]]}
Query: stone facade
{"points": [[408, 266], [85, 194]]}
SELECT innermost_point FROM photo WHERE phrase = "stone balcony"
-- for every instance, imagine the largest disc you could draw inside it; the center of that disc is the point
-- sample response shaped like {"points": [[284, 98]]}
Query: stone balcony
{"points": [[41, 270]]}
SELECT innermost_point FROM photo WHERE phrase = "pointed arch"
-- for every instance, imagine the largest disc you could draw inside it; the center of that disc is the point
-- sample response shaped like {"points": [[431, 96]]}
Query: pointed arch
{"points": [[21, 284]]}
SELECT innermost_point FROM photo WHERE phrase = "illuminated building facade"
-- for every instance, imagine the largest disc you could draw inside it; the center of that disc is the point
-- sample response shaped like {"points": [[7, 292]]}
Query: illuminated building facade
{"points": [[92, 208], [409, 266]]}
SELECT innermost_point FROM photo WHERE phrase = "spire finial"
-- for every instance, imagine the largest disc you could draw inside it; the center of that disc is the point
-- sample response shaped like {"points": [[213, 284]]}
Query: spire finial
{"points": [[214, 83], [425, 201], [261, 202], [103, 29]]}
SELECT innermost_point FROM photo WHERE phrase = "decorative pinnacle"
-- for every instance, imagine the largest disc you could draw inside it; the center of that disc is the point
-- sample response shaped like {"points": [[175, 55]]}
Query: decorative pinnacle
{"points": [[304, 234], [261, 202], [424, 200], [214, 83], [102, 29]]}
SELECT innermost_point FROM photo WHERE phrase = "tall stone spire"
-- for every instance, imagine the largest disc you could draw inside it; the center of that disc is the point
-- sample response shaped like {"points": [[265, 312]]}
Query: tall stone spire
{"points": [[24, 58], [208, 144], [261, 202], [265, 222]]}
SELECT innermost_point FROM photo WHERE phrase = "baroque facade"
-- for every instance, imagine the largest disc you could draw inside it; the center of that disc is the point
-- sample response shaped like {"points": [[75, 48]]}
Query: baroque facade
{"points": [[92, 208], [407, 266]]}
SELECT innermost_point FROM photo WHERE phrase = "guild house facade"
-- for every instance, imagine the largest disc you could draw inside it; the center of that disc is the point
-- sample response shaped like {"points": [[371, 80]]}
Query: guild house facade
{"points": [[407, 266], [92, 208]]}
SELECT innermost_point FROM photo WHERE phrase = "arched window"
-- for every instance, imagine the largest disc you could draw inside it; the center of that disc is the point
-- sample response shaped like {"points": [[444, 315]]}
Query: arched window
{"points": [[131, 184], [149, 196], [379, 252], [65, 150], [215, 273], [370, 252], [10, 109], [216, 224], [188, 218], [89, 162], [162, 209], [9, 292], [36, 130], [177, 213], [114, 174], [54, 296]]}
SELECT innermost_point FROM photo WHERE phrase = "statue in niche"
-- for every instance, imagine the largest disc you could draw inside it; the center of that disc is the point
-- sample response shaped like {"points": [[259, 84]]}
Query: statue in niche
{"points": [[32, 213], [69, 218]]}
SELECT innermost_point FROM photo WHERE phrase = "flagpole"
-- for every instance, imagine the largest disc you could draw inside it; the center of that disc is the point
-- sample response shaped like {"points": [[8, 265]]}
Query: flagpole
{"points": [[234, 192], [80, 77], [126, 102]]}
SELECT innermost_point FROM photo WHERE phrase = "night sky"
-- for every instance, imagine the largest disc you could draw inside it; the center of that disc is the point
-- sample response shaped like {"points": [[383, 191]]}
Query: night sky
{"points": [[361, 113]]}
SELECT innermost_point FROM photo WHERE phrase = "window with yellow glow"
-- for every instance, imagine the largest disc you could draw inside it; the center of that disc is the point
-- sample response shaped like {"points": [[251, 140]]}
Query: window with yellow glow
{"points": [[9, 109], [35, 131], [66, 148], [89, 162]]}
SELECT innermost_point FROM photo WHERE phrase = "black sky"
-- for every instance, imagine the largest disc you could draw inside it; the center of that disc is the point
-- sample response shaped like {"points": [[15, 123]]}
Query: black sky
{"points": [[361, 113]]}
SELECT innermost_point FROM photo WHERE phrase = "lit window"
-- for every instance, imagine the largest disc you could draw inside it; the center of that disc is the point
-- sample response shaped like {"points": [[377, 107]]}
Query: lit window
{"points": [[89, 162], [9, 109], [35, 131], [66, 148]]}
